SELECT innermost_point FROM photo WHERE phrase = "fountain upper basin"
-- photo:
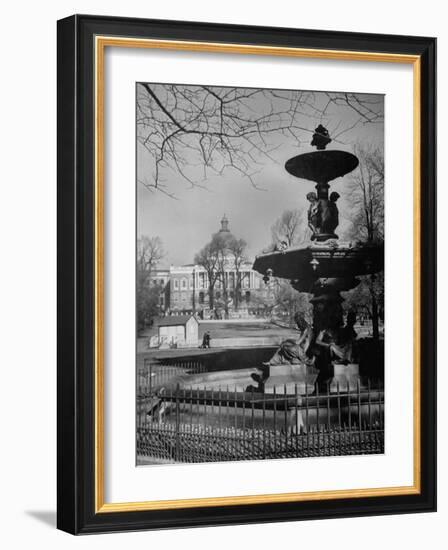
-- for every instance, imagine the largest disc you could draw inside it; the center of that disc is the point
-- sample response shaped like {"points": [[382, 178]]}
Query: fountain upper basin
{"points": [[322, 166]]}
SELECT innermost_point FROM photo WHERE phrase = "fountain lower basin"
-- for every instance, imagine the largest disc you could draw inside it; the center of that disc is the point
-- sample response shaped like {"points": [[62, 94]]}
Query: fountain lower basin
{"points": [[336, 260]]}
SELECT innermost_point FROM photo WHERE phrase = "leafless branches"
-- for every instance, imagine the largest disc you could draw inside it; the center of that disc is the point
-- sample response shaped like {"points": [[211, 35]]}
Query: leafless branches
{"points": [[198, 131], [367, 194], [369, 108], [149, 253], [184, 127], [207, 257], [223, 257], [289, 228]]}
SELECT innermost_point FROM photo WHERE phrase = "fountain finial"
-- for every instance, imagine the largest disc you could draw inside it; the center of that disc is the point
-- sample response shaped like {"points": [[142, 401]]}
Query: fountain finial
{"points": [[321, 138]]}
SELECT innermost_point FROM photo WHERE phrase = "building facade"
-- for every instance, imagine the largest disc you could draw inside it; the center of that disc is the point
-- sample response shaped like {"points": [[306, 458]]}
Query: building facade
{"points": [[186, 288], [189, 290]]}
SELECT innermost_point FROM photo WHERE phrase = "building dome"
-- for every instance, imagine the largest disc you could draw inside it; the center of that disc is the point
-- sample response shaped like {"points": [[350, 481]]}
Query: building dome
{"points": [[224, 237], [224, 225]]}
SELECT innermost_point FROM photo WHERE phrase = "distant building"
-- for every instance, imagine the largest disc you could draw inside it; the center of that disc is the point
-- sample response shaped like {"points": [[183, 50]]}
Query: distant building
{"points": [[185, 288], [179, 329]]}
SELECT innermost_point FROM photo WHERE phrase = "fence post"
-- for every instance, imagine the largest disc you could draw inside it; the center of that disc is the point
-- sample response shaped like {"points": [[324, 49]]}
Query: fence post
{"points": [[275, 421], [177, 448], [307, 420], [359, 415], [285, 418], [296, 401], [252, 421], [264, 425]]}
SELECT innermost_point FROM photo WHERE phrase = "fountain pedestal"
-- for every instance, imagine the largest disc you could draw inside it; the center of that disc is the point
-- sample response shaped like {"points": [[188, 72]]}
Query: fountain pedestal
{"points": [[345, 378], [327, 266], [324, 270], [291, 378]]}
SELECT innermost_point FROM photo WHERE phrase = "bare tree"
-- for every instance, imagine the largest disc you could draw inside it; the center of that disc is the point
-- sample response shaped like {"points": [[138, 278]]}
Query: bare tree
{"points": [[367, 199], [283, 303], [207, 258], [366, 187], [288, 302], [237, 250], [367, 299], [224, 254], [207, 130], [220, 244], [289, 228], [149, 253]]}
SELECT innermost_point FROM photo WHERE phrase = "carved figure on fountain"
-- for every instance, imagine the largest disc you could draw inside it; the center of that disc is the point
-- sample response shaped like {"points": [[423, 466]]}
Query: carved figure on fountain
{"points": [[339, 341], [314, 214], [295, 352], [321, 138], [323, 216], [327, 311], [330, 216]]}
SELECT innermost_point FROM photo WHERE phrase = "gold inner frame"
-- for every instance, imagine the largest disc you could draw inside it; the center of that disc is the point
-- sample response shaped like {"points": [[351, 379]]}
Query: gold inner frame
{"points": [[101, 42]]}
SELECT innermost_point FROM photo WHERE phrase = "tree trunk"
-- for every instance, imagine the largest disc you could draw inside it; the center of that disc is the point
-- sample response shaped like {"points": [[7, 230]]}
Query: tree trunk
{"points": [[225, 295], [236, 298], [211, 301]]}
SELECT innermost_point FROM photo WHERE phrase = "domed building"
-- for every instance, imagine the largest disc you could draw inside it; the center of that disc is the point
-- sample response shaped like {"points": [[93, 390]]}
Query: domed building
{"points": [[236, 290], [224, 225]]}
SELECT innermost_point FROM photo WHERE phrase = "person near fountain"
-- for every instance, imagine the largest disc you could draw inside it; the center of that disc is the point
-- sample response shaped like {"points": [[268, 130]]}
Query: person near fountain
{"points": [[206, 340]]}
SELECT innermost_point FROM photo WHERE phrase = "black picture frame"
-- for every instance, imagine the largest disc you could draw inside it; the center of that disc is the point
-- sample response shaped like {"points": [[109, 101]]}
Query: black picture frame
{"points": [[76, 286]]}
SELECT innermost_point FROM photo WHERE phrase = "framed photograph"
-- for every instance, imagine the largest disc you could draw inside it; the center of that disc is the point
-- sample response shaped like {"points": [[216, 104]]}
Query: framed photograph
{"points": [[246, 274]]}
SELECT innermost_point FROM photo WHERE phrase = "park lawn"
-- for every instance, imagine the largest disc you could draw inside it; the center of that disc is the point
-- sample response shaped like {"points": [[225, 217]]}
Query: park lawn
{"points": [[227, 329], [222, 330]]}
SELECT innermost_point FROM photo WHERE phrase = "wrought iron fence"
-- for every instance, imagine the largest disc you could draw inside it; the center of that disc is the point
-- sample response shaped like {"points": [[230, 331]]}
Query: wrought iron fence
{"points": [[199, 424], [154, 375]]}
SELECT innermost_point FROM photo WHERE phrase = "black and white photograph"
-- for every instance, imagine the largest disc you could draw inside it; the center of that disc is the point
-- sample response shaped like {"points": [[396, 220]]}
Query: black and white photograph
{"points": [[222, 283], [259, 273]]}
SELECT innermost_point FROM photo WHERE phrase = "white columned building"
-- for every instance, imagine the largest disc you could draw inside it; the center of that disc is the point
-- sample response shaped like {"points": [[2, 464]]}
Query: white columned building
{"points": [[186, 288]]}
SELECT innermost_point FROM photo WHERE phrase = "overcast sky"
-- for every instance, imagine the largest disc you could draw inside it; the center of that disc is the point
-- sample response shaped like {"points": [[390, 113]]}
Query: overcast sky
{"points": [[186, 222]]}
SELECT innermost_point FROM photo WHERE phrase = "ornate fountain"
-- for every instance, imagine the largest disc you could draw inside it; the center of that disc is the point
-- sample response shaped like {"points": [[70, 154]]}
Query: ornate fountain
{"points": [[326, 266], [323, 356]]}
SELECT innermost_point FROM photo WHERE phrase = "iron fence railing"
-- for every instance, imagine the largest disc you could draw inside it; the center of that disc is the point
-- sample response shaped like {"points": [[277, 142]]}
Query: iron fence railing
{"points": [[153, 376], [199, 424], [187, 443]]}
